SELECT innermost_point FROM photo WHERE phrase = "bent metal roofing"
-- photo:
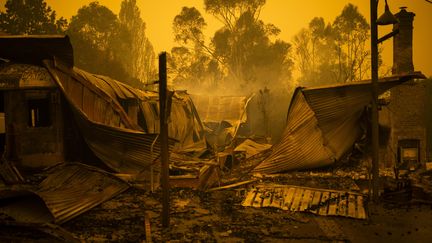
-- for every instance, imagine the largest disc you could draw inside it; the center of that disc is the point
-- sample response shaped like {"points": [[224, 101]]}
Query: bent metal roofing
{"points": [[323, 123]]}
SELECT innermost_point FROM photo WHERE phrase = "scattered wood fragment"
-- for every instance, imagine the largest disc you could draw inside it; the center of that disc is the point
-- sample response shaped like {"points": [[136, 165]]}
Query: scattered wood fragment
{"points": [[147, 227], [231, 185]]}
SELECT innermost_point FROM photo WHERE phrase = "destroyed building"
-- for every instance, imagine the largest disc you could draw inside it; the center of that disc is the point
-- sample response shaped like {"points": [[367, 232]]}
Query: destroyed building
{"points": [[54, 113], [323, 123], [405, 121], [65, 109]]}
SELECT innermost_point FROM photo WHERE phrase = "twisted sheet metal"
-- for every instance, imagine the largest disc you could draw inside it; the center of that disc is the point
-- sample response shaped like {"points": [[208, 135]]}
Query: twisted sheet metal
{"points": [[221, 108], [105, 126], [184, 123], [323, 124], [68, 191]]}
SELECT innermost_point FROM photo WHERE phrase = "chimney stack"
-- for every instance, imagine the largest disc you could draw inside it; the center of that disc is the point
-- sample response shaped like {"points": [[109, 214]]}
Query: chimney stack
{"points": [[402, 43]]}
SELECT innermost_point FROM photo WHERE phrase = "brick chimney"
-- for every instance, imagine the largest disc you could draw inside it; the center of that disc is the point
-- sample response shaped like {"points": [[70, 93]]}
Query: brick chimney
{"points": [[402, 43]]}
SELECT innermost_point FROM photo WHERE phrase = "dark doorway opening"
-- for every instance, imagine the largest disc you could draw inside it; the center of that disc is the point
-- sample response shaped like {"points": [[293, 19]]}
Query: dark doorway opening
{"points": [[39, 113]]}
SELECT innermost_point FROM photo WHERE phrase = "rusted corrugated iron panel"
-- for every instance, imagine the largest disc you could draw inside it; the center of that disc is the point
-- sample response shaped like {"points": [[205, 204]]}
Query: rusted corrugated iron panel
{"points": [[24, 76], [221, 108], [323, 124], [99, 98], [304, 199], [121, 90], [123, 150], [74, 85], [68, 191], [184, 122], [251, 148], [105, 126], [302, 145]]}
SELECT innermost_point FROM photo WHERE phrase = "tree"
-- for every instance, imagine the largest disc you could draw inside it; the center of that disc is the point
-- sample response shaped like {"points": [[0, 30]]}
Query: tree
{"points": [[229, 12], [328, 53], [92, 32], [30, 17], [136, 51], [191, 63], [111, 45], [315, 53], [351, 32], [243, 50]]}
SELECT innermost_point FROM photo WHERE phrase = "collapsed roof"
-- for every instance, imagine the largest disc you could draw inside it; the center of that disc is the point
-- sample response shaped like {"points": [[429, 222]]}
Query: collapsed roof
{"points": [[222, 115], [323, 124], [106, 112], [69, 190]]}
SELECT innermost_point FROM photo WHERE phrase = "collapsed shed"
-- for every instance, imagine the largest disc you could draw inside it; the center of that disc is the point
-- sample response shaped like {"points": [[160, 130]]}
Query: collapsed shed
{"points": [[119, 123], [54, 112], [323, 124]]}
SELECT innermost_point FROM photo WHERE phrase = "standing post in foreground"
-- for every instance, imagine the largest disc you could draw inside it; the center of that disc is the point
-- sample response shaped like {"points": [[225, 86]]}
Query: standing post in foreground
{"points": [[163, 138], [374, 111]]}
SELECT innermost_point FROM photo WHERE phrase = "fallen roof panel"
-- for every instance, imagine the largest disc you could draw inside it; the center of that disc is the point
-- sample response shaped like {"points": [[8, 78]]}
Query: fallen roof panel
{"points": [[104, 124], [221, 108], [68, 191], [323, 124]]}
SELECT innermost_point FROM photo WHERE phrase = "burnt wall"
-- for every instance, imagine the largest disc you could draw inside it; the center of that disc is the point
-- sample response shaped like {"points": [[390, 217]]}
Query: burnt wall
{"points": [[34, 127]]}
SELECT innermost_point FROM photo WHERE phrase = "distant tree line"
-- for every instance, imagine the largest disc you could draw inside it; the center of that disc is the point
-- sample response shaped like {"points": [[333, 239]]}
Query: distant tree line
{"points": [[246, 51], [335, 52], [103, 42], [244, 54]]}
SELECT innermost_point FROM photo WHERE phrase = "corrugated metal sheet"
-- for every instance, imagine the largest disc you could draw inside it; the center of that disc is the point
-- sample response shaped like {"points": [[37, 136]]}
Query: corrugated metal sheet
{"points": [[124, 151], [68, 191], [100, 98], [304, 199], [105, 126], [223, 115], [323, 124], [184, 122], [221, 108], [94, 102], [252, 148]]}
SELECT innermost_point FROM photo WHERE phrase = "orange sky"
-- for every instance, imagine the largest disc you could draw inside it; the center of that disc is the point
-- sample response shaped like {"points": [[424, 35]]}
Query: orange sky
{"points": [[289, 15]]}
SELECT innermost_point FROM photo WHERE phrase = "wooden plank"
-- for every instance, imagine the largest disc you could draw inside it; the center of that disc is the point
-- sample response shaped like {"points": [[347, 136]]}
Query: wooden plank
{"points": [[231, 185], [283, 199], [323, 209], [277, 198], [288, 198], [342, 209], [297, 199], [257, 202], [333, 203], [315, 201], [306, 201], [267, 197], [250, 197], [352, 202], [361, 213], [147, 227]]}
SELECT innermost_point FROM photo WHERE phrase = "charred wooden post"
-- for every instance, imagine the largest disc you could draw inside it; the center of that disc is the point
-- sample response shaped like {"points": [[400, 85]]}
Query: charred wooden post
{"points": [[374, 116], [163, 136]]}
